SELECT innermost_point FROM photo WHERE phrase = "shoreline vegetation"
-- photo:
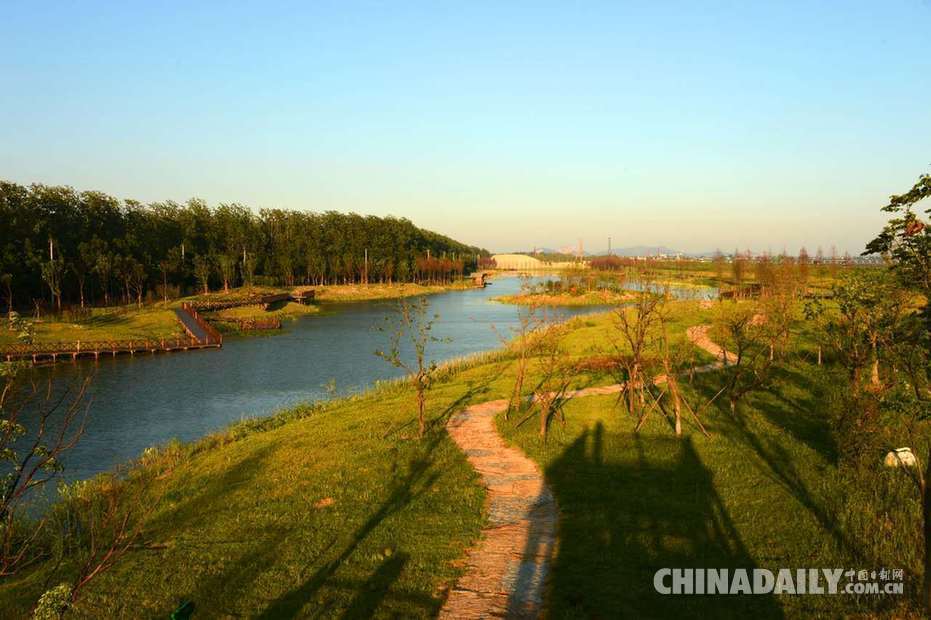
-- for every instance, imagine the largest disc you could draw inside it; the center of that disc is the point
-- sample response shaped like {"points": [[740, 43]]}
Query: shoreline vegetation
{"points": [[309, 507], [588, 298], [157, 320]]}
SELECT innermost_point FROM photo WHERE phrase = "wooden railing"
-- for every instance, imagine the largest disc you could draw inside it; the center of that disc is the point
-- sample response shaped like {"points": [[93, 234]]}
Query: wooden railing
{"points": [[95, 347], [213, 336]]}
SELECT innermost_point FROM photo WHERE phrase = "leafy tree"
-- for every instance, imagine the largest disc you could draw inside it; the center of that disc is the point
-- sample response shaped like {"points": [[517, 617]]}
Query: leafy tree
{"points": [[906, 241], [203, 267]]}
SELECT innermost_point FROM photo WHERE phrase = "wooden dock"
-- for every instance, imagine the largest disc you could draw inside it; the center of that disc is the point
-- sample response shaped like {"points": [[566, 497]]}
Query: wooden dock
{"points": [[199, 335]]}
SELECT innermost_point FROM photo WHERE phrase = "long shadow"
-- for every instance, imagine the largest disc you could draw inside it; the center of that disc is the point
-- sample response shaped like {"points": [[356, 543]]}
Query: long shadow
{"points": [[780, 463], [802, 416], [419, 480], [624, 520], [373, 591]]}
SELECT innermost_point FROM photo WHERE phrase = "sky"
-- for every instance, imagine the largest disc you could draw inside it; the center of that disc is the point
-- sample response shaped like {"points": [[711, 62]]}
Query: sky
{"points": [[694, 125]]}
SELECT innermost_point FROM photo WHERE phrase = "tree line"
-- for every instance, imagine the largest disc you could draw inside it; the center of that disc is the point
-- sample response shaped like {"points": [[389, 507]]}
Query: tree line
{"points": [[59, 245]]}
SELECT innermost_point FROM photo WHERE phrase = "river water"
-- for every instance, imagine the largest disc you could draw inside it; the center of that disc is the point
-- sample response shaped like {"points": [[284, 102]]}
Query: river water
{"points": [[148, 400]]}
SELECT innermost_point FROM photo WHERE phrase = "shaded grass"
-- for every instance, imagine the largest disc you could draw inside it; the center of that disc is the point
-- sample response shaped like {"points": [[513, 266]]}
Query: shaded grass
{"points": [[764, 491]]}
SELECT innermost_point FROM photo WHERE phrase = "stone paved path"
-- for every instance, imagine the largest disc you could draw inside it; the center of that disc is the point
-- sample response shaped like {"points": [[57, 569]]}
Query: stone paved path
{"points": [[506, 571]]}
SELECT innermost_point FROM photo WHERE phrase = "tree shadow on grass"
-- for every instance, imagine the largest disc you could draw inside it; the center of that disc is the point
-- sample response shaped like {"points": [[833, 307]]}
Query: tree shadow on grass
{"points": [[622, 520], [371, 593], [803, 414], [418, 481]]}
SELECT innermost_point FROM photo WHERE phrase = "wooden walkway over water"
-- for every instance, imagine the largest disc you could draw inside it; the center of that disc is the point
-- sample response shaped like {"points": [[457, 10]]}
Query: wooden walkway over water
{"points": [[199, 334]]}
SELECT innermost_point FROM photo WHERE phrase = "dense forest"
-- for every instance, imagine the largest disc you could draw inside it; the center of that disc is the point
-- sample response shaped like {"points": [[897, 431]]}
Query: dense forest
{"points": [[60, 246]]}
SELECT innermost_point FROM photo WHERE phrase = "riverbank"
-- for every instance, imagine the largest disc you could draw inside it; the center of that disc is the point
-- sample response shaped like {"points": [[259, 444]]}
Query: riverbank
{"points": [[591, 298], [339, 508], [96, 324], [157, 320], [344, 293]]}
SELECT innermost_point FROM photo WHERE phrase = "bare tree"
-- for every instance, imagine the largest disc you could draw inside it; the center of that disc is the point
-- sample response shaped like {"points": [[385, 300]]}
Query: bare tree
{"points": [[520, 341], [413, 327], [32, 455], [636, 324], [555, 373], [99, 527]]}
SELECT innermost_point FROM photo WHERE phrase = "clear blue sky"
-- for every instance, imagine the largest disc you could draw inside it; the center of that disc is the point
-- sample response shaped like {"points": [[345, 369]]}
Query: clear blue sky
{"points": [[694, 125]]}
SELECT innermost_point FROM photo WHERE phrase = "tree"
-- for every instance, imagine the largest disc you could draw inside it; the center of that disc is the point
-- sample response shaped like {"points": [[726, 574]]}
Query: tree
{"points": [[104, 266], [413, 328], [740, 325], [803, 268], [51, 274], [905, 241], [527, 322], [870, 309], [718, 261], [555, 373], [636, 323], [738, 268], [227, 266], [98, 234], [32, 455], [248, 268], [82, 265], [203, 267], [6, 281]]}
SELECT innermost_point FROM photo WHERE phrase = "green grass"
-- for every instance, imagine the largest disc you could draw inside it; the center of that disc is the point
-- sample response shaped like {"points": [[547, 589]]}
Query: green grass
{"points": [[591, 298], [120, 323], [369, 292], [339, 511], [243, 527], [765, 491], [287, 310]]}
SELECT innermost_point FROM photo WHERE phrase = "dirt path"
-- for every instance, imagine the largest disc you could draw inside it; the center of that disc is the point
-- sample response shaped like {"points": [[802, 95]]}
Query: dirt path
{"points": [[698, 334], [506, 571]]}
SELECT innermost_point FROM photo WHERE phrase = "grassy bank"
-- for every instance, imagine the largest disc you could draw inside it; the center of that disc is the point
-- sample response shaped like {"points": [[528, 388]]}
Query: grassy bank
{"points": [[338, 510], [369, 292], [590, 298], [115, 323], [157, 320]]}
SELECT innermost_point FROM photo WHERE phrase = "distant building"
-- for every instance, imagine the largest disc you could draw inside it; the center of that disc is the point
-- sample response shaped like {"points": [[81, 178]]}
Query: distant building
{"points": [[524, 262], [517, 262]]}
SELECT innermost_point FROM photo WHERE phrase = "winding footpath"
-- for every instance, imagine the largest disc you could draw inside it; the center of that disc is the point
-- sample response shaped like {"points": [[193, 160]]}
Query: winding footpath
{"points": [[506, 572]]}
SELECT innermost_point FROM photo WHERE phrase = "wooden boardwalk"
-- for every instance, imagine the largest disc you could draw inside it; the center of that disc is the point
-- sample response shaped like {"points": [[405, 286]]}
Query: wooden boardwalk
{"points": [[198, 335]]}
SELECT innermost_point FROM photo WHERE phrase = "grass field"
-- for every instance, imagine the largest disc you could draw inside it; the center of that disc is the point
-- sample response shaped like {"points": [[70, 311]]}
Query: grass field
{"points": [[763, 492], [119, 323], [338, 511]]}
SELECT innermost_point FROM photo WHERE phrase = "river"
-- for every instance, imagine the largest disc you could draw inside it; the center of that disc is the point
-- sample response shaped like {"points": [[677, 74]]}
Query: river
{"points": [[148, 400]]}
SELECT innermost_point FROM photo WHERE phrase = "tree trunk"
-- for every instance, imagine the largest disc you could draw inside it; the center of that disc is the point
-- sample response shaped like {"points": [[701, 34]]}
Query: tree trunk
{"points": [[926, 522], [543, 414], [874, 375], [819, 355], [421, 405]]}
